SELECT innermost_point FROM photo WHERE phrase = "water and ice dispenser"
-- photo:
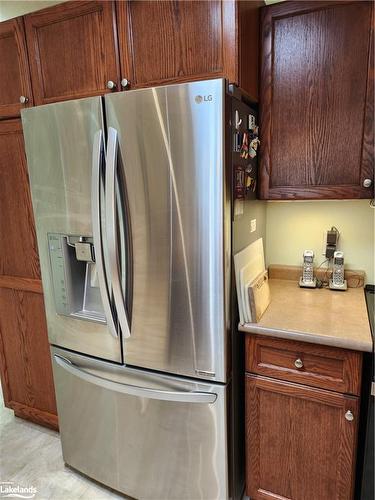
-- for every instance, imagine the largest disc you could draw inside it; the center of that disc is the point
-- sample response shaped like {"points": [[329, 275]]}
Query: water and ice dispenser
{"points": [[74, 276]]}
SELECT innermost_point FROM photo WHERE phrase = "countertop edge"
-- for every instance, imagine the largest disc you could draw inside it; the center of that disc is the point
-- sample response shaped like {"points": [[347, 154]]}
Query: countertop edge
{"points": [[344, 343]]}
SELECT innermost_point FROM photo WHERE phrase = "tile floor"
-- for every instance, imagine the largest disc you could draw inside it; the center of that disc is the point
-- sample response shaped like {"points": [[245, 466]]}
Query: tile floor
{"points": [[30, 455]]}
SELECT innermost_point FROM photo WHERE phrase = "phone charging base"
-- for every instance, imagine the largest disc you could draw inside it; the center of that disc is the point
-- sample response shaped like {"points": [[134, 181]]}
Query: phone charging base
{"points": [[307, 284], [341, 287]]}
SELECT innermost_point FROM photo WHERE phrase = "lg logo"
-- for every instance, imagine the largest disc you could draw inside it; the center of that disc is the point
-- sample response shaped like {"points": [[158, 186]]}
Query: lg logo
{"points": [[203, 98]]}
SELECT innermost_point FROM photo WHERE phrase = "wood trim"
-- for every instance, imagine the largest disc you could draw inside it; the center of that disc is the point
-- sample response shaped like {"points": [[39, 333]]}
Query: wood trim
{"points": [[248, 46], [265, 102], [326, 367], [297, 7], [34, 415], [4, 374], [11, 126], [355, 279], [367, 166], [125, 41], [307, 192], [179, 79], [25, 284], [230, 33]]}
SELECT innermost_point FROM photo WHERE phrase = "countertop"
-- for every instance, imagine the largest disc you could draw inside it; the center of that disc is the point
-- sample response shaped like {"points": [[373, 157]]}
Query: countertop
{"points": [[318, 316]]}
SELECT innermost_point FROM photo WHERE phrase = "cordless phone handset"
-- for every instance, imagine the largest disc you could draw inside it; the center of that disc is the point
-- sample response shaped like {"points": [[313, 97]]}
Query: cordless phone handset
{"points": [[307, 279], [338, 281]]}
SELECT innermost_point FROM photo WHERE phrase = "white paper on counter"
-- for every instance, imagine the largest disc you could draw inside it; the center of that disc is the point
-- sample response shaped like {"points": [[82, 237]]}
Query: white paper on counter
{"points": [[248, 264]]}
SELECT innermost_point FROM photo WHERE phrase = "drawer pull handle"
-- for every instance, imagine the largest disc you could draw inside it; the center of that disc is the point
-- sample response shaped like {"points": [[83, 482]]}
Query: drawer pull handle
{"points": [[349, 416], [298, 363]]}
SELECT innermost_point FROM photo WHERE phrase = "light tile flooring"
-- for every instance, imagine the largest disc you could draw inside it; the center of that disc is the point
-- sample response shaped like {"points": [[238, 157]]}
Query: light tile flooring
{"points": [[30, 455]]}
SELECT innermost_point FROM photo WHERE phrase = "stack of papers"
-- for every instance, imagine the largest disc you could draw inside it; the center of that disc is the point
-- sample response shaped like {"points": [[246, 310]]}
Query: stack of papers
{"points": [[248, 264]]}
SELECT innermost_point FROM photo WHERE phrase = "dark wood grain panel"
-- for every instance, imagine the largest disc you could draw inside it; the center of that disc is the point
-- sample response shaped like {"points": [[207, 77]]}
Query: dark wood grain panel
{"points": [[72, 50], [323, 366], [25, 284], [18, 248], [248, 46], [298, 441], [368, 129], [34, 415], [14, 69], [316, 100], [179, 41], [26, 369]]}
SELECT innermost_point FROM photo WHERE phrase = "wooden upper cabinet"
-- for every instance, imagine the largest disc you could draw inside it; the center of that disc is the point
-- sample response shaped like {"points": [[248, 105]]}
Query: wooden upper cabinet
{"points": [[170, 41], [14, 69], [72, 50], [18, 247], [301, 441], [316, 100]]}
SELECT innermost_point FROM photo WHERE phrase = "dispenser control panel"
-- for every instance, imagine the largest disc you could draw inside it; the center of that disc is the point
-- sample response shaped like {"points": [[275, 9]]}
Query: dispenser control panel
{"points": [[56, 253]]}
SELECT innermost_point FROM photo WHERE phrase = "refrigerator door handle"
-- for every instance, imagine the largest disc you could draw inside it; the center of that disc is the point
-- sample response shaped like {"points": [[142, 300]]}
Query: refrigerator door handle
{"points": [[134, 390], [97, 231], [112, 243]]}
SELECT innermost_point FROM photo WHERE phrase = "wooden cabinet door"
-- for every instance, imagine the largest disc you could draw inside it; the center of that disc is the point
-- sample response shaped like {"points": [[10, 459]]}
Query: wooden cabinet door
{"points": [[299, 443], [170, 41], [316, 100], [14, 69], [72, 50], [25, 361], [18, 247], [25, 364]]}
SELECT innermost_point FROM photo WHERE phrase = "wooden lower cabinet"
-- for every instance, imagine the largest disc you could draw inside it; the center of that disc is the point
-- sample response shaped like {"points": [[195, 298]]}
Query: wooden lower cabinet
{"points": [[25, 361], [26, 372], [301, 441]]}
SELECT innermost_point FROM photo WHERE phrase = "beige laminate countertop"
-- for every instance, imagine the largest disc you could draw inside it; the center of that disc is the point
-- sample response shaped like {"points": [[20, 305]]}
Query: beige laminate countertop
{"points": [[319, 316]]}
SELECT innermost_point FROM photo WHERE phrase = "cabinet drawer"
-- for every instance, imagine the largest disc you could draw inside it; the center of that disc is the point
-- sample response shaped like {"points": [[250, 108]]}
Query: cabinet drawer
{"points": [[315, 365]]}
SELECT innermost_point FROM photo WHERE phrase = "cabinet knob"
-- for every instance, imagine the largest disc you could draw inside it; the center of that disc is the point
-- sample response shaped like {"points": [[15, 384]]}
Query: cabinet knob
{"points": [[349, 416], [298, 363], [111, 85], [367, 183], [24, 99], [124, 83]]}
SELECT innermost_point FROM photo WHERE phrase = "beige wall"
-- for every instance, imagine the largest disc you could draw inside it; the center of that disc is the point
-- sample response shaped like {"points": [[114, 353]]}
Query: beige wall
{"points": [[294, 226], [242, 236], [14, 8]]}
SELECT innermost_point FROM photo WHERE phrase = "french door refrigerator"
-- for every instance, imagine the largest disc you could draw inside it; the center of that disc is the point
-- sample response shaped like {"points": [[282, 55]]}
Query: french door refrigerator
{"points": [[133, 217]]}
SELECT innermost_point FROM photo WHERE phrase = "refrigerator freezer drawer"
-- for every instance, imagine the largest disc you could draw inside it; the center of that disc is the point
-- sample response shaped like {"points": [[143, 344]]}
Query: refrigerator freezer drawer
{"points": [[144, 434]]}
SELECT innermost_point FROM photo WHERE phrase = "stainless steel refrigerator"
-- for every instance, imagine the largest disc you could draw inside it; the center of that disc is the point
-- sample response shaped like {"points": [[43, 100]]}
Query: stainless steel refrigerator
{"points": [[132, 202]]}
